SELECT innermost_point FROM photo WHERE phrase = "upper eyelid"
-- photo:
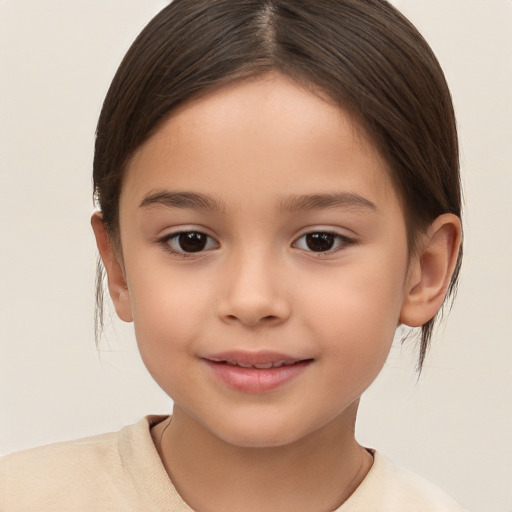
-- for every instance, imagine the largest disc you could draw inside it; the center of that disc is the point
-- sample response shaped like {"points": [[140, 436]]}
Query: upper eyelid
{"points": [[303, 232], [336, 231], [174, 234], [333, 233], [171, 232]]}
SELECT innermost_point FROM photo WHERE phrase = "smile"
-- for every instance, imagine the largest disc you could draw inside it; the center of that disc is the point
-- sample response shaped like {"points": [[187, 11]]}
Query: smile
{"points": [[259, 366], [255, 372]]}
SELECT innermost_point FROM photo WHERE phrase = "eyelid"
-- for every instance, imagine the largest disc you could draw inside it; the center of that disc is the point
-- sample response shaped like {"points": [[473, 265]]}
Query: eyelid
{"points": [[343, 240], [165, 240]]}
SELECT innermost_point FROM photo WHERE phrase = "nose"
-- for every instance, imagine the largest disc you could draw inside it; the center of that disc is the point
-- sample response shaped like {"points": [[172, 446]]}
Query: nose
{"points": [[254, 292]]}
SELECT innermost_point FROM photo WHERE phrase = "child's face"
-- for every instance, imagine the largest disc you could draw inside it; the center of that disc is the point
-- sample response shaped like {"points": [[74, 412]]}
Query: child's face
{"points": [[302, 257]]}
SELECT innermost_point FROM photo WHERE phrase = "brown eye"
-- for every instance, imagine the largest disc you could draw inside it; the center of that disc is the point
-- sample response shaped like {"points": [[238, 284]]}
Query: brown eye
{"points": [[190, 242], [321, 241]]}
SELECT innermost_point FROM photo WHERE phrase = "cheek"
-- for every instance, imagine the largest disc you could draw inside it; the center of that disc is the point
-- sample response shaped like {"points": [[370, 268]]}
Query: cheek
{"points": [[356, 313], [169, 313], [357, 341]]}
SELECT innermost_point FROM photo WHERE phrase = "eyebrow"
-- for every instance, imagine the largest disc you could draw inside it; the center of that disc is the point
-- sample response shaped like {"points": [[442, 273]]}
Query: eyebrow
{"points": [[182, 200], [289, 203], [321, 201]]}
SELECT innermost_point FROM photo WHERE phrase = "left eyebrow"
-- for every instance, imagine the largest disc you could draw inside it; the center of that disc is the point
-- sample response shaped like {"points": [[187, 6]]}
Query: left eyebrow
{"points": [[320, 201]]}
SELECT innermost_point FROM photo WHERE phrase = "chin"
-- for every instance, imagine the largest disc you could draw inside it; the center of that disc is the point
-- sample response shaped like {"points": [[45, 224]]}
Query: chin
{"points": [[259, 434], [259, 440]]}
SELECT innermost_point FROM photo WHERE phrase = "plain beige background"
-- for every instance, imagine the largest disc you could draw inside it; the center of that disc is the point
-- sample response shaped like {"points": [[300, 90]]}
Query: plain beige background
{"points": [[57, 58]]}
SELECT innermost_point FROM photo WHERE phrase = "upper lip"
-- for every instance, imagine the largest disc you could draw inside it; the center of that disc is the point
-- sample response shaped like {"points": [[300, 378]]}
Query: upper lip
{"points": [[261, 359]]}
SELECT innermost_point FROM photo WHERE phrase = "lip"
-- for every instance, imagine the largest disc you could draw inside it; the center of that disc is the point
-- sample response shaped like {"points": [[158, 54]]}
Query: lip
{"points": [[255, 372]]}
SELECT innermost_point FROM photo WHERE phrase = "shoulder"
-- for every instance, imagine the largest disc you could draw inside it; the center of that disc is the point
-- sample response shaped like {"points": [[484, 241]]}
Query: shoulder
{"points": [[414, 490], [57, 475], [59, 455], [388, 488], [69, 475]]}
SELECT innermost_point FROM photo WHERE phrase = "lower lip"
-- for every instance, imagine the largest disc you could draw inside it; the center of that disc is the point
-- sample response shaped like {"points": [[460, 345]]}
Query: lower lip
{"points": [[256, 380]]}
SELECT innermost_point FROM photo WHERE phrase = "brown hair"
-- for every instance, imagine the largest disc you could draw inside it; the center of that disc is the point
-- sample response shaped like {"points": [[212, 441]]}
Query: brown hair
{"points": [[363, 54]]}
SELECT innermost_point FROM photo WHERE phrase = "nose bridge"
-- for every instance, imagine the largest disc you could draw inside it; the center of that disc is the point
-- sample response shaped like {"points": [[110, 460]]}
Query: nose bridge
{"points": [[254, 290]]}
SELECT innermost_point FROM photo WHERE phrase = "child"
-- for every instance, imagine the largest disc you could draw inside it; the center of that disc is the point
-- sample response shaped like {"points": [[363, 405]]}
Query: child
{"points": [[279, 190]]}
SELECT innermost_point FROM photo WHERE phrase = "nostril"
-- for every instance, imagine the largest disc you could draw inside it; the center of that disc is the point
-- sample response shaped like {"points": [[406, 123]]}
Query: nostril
{"points": [[253, 320], [251, 312]]}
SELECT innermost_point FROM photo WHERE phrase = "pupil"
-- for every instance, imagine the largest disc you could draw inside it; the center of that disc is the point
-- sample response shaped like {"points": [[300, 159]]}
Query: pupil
{"points": [[320, 242], [192, 242]]}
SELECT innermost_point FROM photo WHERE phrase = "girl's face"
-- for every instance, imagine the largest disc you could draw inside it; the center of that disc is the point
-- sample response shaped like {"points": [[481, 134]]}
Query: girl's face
{"points": [[265, 257]]}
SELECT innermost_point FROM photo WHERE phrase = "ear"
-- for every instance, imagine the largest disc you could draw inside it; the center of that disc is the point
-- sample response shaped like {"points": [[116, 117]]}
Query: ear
{"points": [[113, 265], [430, 270]]}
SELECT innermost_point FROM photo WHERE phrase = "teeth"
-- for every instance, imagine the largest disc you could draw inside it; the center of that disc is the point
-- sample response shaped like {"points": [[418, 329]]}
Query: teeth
{"points": [[244, 365], [259, 366], [262, 366]]}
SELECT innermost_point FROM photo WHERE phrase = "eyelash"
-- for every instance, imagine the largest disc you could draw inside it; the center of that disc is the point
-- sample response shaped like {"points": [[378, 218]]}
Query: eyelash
{"points": [[167, 240], [340, 242]]}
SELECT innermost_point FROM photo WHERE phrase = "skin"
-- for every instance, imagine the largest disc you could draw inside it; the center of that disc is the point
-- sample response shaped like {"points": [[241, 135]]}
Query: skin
{"points": [[253, 148]]}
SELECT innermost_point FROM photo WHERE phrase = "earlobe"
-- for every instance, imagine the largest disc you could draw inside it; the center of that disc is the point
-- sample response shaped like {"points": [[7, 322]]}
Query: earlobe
{"points": [[430, 271], [115, 273]]}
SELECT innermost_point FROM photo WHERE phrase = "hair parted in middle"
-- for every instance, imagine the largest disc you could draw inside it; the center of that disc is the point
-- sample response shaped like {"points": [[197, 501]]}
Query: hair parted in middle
{"points": [[361, 54]]}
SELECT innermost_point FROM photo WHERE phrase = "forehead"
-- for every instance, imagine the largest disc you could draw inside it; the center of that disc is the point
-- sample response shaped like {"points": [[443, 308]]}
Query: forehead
{"points": [[264, 136]]}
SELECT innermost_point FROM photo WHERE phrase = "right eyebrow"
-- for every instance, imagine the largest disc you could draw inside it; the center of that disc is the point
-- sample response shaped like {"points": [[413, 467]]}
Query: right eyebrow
{"points": [[173, 199]]}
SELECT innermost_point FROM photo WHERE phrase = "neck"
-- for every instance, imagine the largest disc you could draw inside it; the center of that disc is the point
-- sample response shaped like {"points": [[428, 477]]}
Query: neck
{"points": [[316, 473]]}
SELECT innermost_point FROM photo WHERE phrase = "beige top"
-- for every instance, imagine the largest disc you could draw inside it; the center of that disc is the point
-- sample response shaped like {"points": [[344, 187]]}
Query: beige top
{"points": [[122, 472]]}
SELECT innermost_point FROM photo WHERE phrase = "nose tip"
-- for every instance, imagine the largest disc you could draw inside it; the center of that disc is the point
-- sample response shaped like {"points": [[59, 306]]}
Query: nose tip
{"points": [[254, 299]]}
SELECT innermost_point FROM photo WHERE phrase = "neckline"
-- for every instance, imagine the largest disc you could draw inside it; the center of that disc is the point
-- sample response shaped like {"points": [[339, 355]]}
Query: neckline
{"points": [[140, 457]]}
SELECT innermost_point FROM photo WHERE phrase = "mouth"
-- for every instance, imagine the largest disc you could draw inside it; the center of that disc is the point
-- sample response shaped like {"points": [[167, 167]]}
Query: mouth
{"points": [[256, 372], [259, 366]]}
